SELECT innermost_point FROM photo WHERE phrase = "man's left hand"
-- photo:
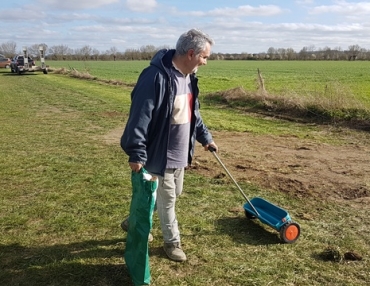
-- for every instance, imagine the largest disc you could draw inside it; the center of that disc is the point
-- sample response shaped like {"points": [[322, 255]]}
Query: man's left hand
{"points": [[212, 144]]}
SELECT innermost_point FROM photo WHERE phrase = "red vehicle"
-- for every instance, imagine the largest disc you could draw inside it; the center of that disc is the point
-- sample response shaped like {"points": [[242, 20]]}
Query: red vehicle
{"points": [[4, 62]]}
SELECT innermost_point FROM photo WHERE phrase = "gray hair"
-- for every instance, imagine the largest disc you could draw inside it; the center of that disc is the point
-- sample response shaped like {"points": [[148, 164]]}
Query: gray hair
{"points": [[193, 39]]}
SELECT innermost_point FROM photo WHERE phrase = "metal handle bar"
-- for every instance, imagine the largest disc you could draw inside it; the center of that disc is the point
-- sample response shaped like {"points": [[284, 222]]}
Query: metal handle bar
{"points": [[213, 151]]}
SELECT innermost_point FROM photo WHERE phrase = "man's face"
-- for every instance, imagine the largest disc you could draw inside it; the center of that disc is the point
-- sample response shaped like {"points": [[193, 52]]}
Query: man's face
{"points": [[197, 60]]}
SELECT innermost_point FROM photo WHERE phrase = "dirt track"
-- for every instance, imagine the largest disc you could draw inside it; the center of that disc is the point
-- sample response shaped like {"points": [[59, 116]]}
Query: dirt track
{"points": [[302, 168]]}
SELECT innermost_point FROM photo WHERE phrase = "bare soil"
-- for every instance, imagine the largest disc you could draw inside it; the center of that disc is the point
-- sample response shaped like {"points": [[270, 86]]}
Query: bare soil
{"points": [[300, 167]]}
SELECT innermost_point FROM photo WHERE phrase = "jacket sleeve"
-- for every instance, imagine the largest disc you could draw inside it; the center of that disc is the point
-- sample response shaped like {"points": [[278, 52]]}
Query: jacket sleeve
{"points": [[203, 136], [135, 136]]}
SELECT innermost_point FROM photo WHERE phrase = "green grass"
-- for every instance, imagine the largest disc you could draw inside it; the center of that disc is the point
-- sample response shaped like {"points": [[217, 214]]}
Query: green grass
{"points": [[302, 77], [64, 191], [324, 91], [126, 71]]}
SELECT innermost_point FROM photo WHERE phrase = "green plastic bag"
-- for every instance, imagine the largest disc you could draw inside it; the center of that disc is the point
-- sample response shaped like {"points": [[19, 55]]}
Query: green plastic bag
{"points": [[136, 255]]}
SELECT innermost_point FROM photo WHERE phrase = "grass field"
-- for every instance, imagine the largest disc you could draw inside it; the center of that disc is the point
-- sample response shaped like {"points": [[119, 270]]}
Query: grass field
{"points": [[65, 187], [301, 77]]}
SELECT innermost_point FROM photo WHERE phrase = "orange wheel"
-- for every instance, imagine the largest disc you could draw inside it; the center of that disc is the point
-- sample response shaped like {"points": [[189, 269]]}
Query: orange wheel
{"points": [[290, 232]]}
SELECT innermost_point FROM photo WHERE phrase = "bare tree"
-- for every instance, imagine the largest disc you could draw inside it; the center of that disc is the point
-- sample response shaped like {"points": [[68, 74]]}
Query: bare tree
{"points": [[147, 52], [60, 52], [337, 53], [363, 54], [327, 53], [113, 52], [95, 54], [281, 53], [290, 54], [131, 54], [84, 53], [8, 49], [271, 53], [34, 49], [303, 54], [353, 52], [307, 53]]}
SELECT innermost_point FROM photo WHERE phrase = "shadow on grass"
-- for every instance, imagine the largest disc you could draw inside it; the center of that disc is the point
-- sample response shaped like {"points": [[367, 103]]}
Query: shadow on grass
{"points": [[23, 74], [248, 231], [70, 264]]}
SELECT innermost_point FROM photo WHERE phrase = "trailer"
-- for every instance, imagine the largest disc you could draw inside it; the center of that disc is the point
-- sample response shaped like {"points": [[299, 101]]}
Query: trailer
{"points": [[20, 64]]}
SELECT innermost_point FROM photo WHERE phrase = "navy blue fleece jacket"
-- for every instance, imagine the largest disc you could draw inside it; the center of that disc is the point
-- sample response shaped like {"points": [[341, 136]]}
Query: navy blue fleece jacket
{"points": [[146, 135]]}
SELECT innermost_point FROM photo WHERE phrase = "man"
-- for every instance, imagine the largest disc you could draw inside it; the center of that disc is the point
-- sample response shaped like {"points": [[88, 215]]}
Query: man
{"points": [[164, 124]]}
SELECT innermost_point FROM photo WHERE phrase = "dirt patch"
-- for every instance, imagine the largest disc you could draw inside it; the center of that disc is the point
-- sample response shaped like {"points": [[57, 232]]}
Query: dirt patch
{"points": [[300, 167], [291, 165]]}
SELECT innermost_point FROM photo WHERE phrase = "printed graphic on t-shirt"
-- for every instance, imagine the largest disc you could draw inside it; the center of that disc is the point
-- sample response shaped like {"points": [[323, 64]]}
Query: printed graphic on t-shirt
{"points": [[182, 109]]}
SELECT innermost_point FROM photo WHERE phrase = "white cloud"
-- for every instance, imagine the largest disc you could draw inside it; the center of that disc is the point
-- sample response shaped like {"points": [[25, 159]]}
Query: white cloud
{"points": [[134, 23], [241, 11], [17, 14], [304, 2], [76, 4], [141, 5], [343, 7], [247, 10], [236, 35]]}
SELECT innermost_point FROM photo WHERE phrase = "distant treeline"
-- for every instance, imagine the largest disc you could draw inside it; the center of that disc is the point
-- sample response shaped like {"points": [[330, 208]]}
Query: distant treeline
{"points": [[63, 52]]}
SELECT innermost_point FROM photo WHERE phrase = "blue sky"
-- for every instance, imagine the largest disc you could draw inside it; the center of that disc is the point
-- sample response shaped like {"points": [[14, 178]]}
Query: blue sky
{"points": [[236, 26]]}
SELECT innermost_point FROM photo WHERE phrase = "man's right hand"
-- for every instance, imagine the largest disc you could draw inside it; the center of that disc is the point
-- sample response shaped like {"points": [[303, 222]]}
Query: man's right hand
{"points": [[135, 167]]}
